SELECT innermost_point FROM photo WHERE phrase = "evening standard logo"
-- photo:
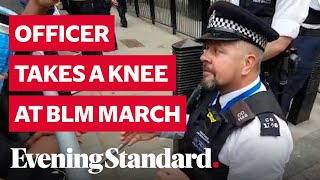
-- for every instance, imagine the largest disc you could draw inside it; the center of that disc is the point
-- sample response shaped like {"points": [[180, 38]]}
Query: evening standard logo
{"points": [[92, 162]]}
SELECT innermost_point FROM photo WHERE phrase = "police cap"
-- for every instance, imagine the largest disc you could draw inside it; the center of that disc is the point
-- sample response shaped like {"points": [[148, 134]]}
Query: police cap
{"points": [[229, 22]]}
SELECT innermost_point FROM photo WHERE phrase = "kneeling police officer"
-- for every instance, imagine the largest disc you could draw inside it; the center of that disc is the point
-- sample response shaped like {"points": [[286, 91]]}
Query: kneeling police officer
{"points": [[237, 117]]}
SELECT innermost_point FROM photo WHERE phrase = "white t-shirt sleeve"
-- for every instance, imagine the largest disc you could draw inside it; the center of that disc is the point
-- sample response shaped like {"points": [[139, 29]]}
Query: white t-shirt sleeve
{"points": [[56, 11], [289, 16], [251, 156]]}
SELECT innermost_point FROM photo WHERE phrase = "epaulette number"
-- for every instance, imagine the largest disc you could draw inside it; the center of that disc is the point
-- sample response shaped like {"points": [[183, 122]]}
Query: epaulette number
{"points": [[269, 125], [242, 115]]}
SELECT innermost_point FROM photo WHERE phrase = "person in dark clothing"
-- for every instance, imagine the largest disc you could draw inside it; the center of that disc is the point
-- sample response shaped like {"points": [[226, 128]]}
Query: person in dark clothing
{"points": [[122, 9], [89, 7]]}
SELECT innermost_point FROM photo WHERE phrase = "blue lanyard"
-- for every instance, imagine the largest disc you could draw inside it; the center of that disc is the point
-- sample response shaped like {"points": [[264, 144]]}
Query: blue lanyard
{"points": [[215, 95], [240, 97]]}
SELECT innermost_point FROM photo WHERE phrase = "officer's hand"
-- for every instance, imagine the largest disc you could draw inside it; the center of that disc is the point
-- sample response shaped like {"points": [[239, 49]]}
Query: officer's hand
{"points": [[133, 137], [170, 174]]}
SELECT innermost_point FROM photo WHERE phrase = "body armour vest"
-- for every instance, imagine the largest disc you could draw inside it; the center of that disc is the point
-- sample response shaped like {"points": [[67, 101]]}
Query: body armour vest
{"points": [[313, 17], [263, 9], [204, 131]]}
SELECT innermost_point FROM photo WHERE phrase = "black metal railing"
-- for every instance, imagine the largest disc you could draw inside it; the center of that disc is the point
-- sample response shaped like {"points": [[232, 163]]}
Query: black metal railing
{"points": [[188, 17], [162, 12], [144, 8]]}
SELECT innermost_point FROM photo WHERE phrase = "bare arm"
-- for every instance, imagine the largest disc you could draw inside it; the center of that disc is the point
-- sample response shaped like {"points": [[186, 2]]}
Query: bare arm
{"points": [[276, 47], [36, 7], [288, 17]]}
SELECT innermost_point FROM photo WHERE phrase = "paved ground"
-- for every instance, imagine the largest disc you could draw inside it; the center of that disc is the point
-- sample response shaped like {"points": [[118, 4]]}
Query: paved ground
{"points": [[156, 39], [305, 160]]}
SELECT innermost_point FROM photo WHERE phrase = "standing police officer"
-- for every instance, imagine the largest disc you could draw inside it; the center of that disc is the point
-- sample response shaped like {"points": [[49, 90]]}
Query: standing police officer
{"points": [[286, 17], [236, 117], [308, 46]]}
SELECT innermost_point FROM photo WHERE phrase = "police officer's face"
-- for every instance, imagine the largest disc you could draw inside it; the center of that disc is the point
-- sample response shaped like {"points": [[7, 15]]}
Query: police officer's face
{"points": [[221, 64]]}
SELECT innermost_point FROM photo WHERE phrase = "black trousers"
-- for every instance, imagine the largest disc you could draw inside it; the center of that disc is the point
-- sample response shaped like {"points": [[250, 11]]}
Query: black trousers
{"points": [[122, 9], [309, 51]]}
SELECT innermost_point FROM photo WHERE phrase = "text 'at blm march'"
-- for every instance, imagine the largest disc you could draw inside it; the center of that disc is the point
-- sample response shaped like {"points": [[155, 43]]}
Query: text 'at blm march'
{"points": [[97, 113]]}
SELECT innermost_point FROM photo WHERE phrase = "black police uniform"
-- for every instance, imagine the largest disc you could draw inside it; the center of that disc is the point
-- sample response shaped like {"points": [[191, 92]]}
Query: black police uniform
{"points": [[208, 126]]}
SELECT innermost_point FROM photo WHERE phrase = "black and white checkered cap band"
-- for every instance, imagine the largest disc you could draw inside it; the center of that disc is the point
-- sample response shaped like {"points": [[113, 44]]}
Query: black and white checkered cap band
{"points": [[218, 22]]}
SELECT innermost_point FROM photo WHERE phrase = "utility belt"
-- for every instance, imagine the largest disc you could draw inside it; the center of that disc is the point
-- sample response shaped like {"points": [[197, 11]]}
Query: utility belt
{"points": [[280, 68], [309, 32]]}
